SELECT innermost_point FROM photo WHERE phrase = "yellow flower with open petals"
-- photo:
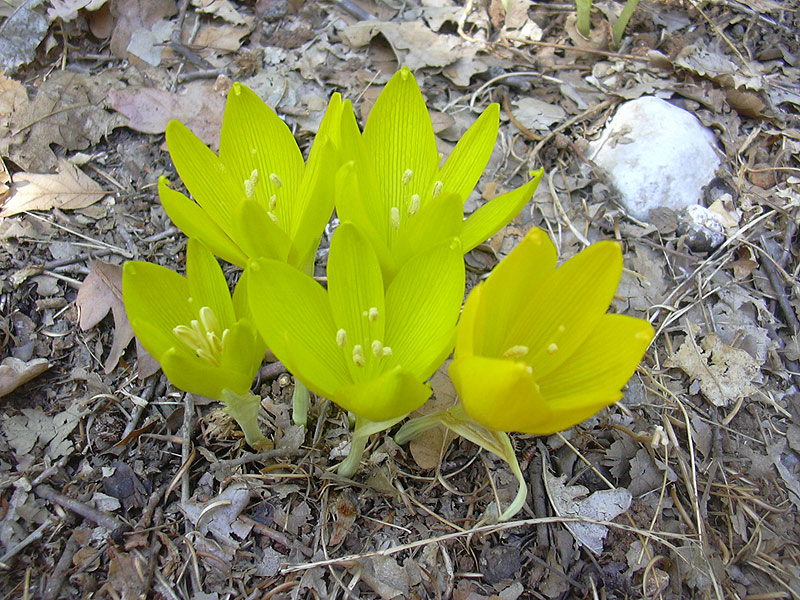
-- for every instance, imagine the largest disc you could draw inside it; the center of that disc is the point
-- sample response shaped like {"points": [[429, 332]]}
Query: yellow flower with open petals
{"points": [[536, 351]]}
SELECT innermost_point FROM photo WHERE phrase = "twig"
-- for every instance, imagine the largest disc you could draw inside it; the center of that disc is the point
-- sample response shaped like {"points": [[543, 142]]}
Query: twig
{"points": [[248, 458], [56, 580], [354, 10], [186, 447], [114, 525], [17, 548], [569, 123]]}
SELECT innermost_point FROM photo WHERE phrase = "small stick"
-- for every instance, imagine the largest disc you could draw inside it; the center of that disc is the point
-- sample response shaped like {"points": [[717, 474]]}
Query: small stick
{"points": [[248, 458], [33, 537], [56, 580], [114, 525], [186, 447]]}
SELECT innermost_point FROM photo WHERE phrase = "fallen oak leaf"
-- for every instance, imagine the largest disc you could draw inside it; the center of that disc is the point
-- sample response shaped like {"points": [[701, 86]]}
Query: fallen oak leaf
{"points": [[71, 188]]}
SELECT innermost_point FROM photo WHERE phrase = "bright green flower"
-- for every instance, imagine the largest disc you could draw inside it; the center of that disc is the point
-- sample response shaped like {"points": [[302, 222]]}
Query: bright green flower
{"points": [[367, 348], [204, 339], [394, 189], [535, 350], [258, 197]]}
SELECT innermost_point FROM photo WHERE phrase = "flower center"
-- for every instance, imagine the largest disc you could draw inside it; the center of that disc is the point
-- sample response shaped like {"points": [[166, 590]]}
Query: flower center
{"points": [[359, 356], [204, 337]]}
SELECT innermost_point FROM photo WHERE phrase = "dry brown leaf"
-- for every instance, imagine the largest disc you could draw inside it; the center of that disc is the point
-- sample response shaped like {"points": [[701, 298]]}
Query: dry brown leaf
{"points": [[67, 10], [71, 188], [428, 448], [149, 110], [100, 292], [68, 110], [219, 8], [136, 15], [15, 372], [725, 373]]}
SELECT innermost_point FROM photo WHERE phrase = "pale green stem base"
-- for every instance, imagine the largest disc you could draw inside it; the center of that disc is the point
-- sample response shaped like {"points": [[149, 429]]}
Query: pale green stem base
{"points": [[496, 442], [300, 401], [583, 11], [243, 408], [622, 22], [363, 430]]}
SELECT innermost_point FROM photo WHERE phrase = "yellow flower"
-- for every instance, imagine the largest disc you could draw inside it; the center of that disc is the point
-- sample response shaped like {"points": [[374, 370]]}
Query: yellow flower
{"points": [[536, 351]]}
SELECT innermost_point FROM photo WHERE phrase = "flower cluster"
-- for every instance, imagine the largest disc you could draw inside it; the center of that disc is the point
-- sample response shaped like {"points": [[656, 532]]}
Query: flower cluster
{"points": [[533, 345]]}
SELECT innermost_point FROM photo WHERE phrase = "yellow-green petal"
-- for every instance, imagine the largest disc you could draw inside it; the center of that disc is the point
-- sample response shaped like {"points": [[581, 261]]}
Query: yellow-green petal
{"points": [[393, 394], [422, 306], [509, 289], [258, 234], [292, 313], [569, 304], [205, 176], [244, 350], [439, 219], [356, 296], [399, 137], [207, 284], [498, 394], [497, 213], [196, 223], [196, 376], [156, 301], [254, 137], [464, 166], [470, 322]]}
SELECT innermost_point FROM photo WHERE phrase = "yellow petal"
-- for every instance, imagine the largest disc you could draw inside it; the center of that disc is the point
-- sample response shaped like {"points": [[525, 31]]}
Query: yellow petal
{"points": [[498, 394], [567, 306], [393, 394], [594, 374], [468, 324], [508, 290]]}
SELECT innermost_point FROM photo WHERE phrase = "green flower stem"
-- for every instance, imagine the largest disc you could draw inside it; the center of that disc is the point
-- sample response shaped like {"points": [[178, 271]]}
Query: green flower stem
{"points": [[300, 402], [496, 442], [243, 408], [622, 22], [414, 428], [583, 9], [363, 430]]}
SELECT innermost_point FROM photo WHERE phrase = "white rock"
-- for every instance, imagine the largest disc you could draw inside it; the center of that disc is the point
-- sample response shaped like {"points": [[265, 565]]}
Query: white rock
{"points": [[655, 154], [702, 227]]}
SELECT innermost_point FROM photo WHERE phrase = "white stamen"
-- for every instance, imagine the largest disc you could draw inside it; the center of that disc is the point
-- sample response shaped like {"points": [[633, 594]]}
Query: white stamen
{"points": [[377, 348], [273, 217], [407, 175], [516, 352], [358, 355], [276, 181], [394, 217], [387, 351], [341, 338], [273, 201], [413, 205], [373, 314], [552, 348], [438, 186], [209, 320], [561, 329]]}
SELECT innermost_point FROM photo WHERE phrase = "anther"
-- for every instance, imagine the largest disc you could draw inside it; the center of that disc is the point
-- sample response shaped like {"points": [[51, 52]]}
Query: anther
{"points": [[358, 355], [561, 329], [250, 184], [438, 186], [209, 320], [276, 181], [413, 205], [516, 352], [529, 369], [394, 217], [407, 175], [341, 338], [387, 351], [377, 348], [273, 217], [273, 202], [552, 348], [373, 314]]}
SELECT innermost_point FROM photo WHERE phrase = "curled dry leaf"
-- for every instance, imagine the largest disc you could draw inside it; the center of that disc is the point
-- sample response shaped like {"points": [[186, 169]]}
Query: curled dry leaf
{"points": [[573, 501], [71, 188], [15, 372], [100, 292], [428, 448]]}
